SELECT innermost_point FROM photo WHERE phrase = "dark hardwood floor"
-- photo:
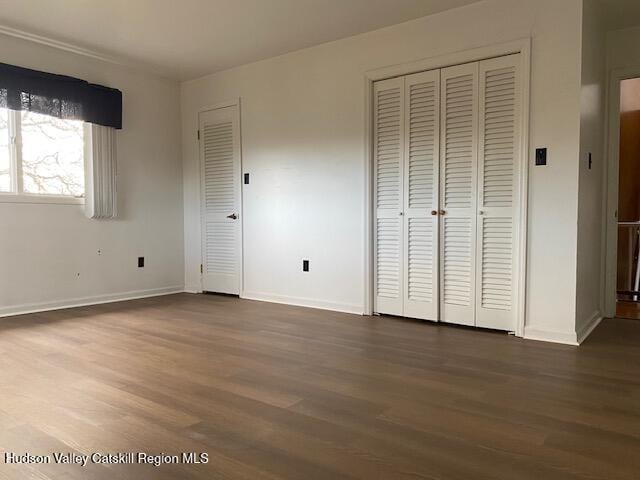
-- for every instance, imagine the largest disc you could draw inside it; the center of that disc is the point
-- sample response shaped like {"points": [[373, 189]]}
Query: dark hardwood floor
{"points": [[630, 310], [278, 392]]}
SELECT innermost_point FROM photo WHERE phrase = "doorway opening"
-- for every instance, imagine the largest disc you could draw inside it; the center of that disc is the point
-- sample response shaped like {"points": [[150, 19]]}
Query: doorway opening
{"points": [[628, 218]]}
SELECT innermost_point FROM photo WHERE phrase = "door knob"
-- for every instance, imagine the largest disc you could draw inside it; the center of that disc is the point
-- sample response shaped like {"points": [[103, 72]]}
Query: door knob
{"points": [[481, 212], [442, 212], [434, 212], [232, 216]]}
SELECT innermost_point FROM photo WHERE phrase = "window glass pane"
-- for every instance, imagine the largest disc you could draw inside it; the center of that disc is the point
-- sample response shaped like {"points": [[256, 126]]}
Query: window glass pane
{"points": [[52, 155], [5, 159]]}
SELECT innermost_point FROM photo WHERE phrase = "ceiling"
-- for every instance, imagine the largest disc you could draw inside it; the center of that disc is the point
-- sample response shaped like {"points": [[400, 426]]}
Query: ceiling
{"points": [[184, 39]]}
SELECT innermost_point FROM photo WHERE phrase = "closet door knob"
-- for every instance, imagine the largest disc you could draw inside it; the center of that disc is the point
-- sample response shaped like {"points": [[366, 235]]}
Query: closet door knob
{"points": [[442, 212], [434, 212]]}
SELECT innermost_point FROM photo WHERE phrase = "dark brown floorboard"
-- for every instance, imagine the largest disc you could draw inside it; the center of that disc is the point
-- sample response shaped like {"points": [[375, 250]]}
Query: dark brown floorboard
{"points": [[279, 392], [629, 310]]}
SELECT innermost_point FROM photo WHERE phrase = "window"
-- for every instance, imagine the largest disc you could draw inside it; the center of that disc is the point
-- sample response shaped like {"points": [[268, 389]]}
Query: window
{"points": [[40, 156]]}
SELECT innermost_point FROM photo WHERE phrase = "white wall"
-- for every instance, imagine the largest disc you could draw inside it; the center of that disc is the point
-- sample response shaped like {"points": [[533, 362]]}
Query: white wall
{"points": [[590, 212], [622, 51], [43, 248], [303, 128]]}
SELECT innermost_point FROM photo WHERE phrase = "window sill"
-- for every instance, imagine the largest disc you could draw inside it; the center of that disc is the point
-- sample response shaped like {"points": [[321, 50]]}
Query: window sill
{"points": [[40, 199]]}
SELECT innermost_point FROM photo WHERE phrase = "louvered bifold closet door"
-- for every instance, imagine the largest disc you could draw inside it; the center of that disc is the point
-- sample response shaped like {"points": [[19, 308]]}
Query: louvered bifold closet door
{"points": [[421, 139], [220, 173], [498, 183], [388, 151], [458, 189]]}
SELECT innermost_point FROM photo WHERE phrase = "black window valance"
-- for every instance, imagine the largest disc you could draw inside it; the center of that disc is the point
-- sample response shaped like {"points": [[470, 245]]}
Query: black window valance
{"points": [[59, 96]]}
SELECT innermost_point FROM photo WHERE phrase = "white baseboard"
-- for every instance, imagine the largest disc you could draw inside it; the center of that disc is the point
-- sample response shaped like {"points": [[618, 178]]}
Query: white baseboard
{"points": [[85, 301], [192, 289], [589, 326], [304, 302], [566, 338]]}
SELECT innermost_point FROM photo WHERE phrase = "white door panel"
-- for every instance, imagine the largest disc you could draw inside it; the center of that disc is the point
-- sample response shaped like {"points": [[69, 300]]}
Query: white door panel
{"points": [[388, 150], [498, 175], [220, 173], [421, 138], [458, 179]]}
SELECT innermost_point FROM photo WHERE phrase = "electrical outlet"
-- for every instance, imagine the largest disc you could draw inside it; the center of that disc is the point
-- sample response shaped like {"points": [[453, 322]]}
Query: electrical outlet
{"points": [[305, 265], [140, 262]]}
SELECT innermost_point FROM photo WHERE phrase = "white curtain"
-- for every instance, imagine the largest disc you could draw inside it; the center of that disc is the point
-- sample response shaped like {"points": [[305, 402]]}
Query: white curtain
{"points": [[101, 170]]}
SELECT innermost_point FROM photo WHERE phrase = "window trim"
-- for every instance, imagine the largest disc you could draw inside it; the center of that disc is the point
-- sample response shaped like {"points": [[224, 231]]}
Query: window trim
{"points": [[18, 195], [35, 198]]}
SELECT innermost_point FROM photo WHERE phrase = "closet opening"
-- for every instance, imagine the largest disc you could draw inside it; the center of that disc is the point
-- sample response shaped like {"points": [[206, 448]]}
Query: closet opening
{"points": [[448, 194]]}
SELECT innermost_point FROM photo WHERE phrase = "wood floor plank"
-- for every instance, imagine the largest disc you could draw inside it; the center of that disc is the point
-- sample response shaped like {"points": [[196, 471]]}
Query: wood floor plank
{"points": [[278, 392]]}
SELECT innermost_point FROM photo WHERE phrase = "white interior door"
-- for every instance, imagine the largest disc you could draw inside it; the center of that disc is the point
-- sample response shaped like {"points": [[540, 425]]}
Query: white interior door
{"points": [[388, 151], [458, 177], [421, 139], [219, 132], [498, 184]]}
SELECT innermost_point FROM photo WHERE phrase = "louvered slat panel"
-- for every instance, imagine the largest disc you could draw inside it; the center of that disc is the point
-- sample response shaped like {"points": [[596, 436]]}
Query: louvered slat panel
{"points": [[422, 140], [219, 190], [388, 155], [459, 165], [388, 233], [459, 146], [388, 148], [420, 259], [499, 167], [497, 263], [220, 154], [457, 281], [220, 248], [499, 141], [422, 130]]}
